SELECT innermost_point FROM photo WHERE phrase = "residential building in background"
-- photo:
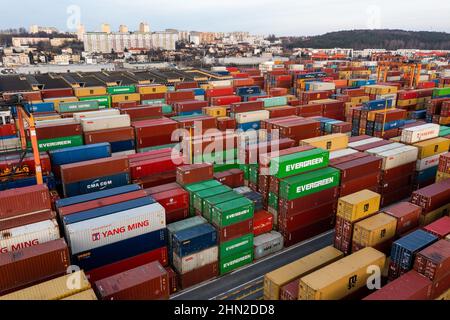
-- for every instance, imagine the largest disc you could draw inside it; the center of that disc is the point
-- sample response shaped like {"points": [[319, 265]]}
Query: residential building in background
{"points": [[27, 41], [81, 30], [37, 29], [144, 27], [106, 28], [123, 28]]}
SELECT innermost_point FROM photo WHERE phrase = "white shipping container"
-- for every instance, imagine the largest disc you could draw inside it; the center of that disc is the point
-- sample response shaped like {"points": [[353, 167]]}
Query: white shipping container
{"points": [[398, 157], [252, 116], [267, 244], [199, 98], [97, 232], [393, 78], [342, 153], [385, 148], [96, 114], [363, 142], [429, 162], [29, 235], [41, 123], [389, 96], [221, 83], [322, 86], [11, 143], [110, 122], [296, 67], [196, 260], [420, 133], [123, 153], [218, 68]]}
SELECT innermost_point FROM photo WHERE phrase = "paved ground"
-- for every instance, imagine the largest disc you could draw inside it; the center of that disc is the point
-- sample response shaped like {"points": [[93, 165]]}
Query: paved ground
{"points": [[247, 283]]}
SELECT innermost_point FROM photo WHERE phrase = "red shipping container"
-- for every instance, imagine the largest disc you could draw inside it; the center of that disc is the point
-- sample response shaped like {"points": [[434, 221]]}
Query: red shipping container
{"points": [[27, 219], [235, 231], [290, 291], [56, 93], [226, 123], [399, 171], [262, 223], [156, 179], [148, 167], [172, 200], [256, 98], [177, 96], [311, 215], [407, 215], [219, 92], [407, 94], [109, 270], [154, 132], [278, 112], [288, 208], [27, 166], [434, 261], [246, 106], [162, 188], [410, 286], [152, 96], [33, 265], [173, 280], [89, 205], [177, 215], [194, 173], [186, 106], [109, 135], [199, 275], [147, 282], [51, 131], [154, 154], [186, 85], [143, 112], [26, 95], [243, 82], [225, 100], [16, 202], [432, 197], [307, 232], [357, 168], [7, 130], [440, 228], [444, 163], [398, 195], [127, 104]]}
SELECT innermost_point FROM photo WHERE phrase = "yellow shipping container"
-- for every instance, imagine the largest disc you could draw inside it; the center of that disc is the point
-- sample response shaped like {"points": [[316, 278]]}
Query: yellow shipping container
{"points": [[441, 176], [405, 103], [396, 139], [374, 230], [215, 111], [444, 296], [206, 86], [83, 296], [432, 147], [55, 289], [90, 91], [58, 101], [444, 121], [125, 97], [276, 279], [341, 278], [430, 217], [152, 89], [359, 100], [358, 205], [372, 114], [330, 142]]}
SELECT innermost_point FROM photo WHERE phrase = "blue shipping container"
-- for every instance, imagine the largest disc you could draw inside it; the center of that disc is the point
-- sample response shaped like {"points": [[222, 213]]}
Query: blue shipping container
{"points": [[377, 104], [96, 184], [40, 107], [27, 182], [107, 210], [96, 195], [194, 240], [88, 152], [390, 125], [427, 174], [120, 146], [403, 250], [250, 125], [121, 250], [245, 91]]}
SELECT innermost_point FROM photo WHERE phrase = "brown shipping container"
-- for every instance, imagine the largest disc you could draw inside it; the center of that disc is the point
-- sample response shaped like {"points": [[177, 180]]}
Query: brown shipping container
{"points": [[157, 179], [235, 231], [27, 219], [289, 292], [358, 138], [148, 282], [15, 202], [33, 265], [312, 215], [162, 188], [407, 215], [199, 275], [143, 112], [398, 171], [350, 157], [307, 232], [357, 168], [194, 173], [373, 145], [433, 196], [370, 182], [434, 261], [173, 280], [51, 131], [246, 106], [389, 186], [95, 168], [57, 93], [27, 96], [109, 135]]}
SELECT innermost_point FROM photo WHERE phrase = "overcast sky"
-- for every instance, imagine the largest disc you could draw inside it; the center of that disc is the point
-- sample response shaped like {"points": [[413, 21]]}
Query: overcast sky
{"points": [[282, 17]]}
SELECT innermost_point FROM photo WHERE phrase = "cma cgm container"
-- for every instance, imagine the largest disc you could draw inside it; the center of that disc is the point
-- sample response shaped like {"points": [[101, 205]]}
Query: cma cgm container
{"points": [[97, 232], [275, 280], [341, 278], [32, 265], [148, 282]]}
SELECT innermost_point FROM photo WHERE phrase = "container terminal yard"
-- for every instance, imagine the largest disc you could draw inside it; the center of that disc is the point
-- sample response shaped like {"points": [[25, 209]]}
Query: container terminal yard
{"points": [[293, 180]]}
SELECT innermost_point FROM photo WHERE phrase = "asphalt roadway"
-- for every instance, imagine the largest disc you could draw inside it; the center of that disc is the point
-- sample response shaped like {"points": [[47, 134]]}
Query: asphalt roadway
{"points": [[247, 283]]}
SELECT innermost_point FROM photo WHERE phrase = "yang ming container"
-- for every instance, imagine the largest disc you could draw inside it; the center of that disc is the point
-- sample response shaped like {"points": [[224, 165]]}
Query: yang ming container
{"points": [[97, 232]]}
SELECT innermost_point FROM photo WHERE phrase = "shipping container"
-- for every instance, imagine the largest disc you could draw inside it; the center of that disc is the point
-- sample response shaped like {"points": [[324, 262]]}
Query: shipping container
{"points": [[226, 214], [16, 202], [341, 278], [194, 239], [86, 295], [331, 142], [358, 205], [275, 280], [148, 282], [374, 230], [267, 244], [196, 260], [434, 261], [407, 216]]}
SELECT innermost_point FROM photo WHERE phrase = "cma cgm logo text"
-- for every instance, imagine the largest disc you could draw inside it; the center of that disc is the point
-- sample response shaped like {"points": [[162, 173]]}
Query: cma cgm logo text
{"points": [[97, 184], [120, 230]]}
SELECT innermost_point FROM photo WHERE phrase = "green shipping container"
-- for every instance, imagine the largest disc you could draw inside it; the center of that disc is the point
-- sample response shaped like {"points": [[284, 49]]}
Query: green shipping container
{"points": [[235, 246], [228, 213], [59, 143], [209, 203], [121, 90], [70, 107], [246, 169], [154, 101], [441, 92], [225, 167], [254, 173], [444, 131], [275, 102], [195, 187], [104, 102], [273, 200], [293, 164], [219, 158], [237, 261], [142, 150], [309, 183], [207, 193]]}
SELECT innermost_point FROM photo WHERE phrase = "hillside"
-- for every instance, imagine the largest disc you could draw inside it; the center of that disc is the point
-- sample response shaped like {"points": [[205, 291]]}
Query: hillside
{"points": [[363, 39]]}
